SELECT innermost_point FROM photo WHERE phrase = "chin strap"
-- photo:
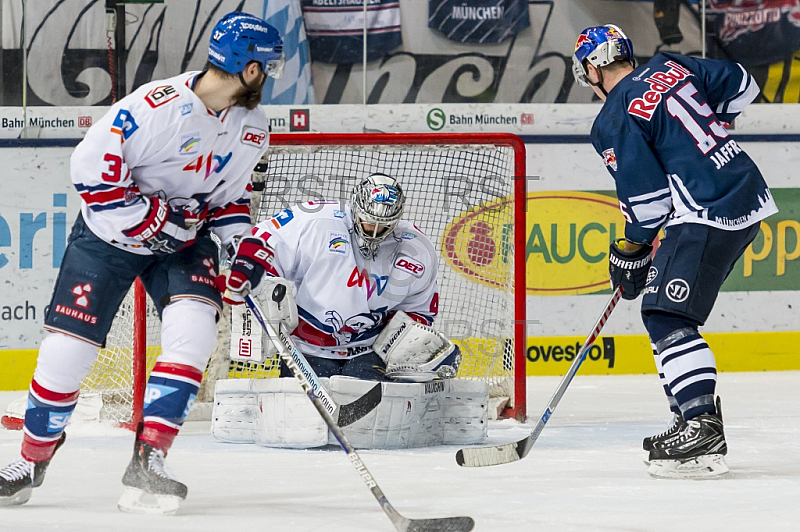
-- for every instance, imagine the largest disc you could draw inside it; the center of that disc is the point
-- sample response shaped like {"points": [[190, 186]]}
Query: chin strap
{"points": [[253, 95], [599, 83]]}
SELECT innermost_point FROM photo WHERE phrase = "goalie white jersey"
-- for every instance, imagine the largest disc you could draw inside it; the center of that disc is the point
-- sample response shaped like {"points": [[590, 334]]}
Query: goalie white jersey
{"points": [[344, 299], [162, 140]]}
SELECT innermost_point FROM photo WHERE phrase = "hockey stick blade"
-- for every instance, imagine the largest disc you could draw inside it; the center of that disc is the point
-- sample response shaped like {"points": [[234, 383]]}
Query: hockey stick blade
{"points": [[295, 360], [515, 451], [352, 412], [446, 524]]}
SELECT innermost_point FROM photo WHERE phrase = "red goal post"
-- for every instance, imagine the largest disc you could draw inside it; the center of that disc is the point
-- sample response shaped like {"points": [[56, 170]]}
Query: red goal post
{"points": [[466, 192]]}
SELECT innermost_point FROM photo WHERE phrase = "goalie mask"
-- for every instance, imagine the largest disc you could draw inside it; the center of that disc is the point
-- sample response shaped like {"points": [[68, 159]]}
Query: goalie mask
{"points": [[377, 205]]}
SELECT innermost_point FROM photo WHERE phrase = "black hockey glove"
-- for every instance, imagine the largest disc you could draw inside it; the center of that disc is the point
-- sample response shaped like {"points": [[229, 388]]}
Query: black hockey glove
{"points": [[166, 229], [628, 269]]}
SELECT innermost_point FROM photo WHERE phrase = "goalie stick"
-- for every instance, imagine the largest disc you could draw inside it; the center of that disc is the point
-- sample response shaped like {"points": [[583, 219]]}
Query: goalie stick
{"points": [[297, 363], [512, 452]]}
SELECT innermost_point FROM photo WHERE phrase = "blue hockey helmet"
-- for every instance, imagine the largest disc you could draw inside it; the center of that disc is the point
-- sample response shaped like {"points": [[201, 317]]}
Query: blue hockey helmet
{"points": [[239, 38], [600, 46]]}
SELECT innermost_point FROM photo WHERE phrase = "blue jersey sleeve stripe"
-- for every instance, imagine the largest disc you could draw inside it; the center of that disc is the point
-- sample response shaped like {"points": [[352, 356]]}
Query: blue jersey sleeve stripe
{"points": [[649, 196], [80, 187], [748, 91], [654, 210], [220, 222], [107, 206]]}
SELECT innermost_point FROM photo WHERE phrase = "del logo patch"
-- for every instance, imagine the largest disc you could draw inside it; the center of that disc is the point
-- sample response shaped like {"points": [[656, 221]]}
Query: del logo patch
{"points": [[610, 158], [160, 95], [410, 265], [253, 136]]}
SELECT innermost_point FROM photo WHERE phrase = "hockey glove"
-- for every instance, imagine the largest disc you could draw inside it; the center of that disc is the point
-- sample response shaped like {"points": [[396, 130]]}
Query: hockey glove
{"points": [[253, 258], [165, 229], [628, 269]]}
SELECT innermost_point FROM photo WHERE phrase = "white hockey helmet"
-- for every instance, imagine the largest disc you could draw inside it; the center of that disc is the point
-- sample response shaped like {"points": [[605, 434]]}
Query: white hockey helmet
{"points": [[377, 202]]}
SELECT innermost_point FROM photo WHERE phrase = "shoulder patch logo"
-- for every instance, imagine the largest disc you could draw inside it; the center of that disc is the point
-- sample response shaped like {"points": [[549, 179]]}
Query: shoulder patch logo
{"points": [[186, 108], [610, 158], [337, 243], [253, 136], [160, 95], [189, 143]]}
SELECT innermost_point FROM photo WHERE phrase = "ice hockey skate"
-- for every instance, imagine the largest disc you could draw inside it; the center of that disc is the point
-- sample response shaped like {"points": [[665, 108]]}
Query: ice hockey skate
{"points": [[150, 488], [18, 478], [697, 451], [676, 425]]}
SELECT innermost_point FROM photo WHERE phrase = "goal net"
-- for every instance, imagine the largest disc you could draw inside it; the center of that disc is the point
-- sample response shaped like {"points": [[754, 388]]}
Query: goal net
{"points": [[465, 192]]}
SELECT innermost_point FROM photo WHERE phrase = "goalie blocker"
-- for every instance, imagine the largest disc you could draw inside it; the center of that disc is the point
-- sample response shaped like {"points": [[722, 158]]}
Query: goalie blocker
{"points": [[277, 413]]}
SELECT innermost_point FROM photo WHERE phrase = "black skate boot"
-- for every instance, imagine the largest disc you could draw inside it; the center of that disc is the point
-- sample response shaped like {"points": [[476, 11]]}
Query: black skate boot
{"points": [[675, 427], [18, 478], [697, 451], [147, 475]]}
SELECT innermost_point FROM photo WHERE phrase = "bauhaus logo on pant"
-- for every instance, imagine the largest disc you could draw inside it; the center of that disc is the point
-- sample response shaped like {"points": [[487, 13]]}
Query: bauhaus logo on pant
{"points": [[545, 352]]}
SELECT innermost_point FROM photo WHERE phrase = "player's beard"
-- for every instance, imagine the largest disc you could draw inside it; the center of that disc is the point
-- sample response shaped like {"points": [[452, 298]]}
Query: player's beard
{"points": [[249, 97]]}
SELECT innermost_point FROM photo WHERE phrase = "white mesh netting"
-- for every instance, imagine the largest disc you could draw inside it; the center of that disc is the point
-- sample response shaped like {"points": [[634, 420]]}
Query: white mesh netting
{"points": [[461, 196]]}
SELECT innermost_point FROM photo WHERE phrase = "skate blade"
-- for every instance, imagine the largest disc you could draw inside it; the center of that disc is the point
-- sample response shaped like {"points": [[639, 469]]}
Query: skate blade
{"points": [[136, 501], [20, 497], [702, 467]]}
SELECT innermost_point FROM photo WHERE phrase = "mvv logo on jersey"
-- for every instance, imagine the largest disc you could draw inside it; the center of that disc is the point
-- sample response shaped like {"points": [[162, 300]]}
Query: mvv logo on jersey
{"points": [[253, 136], [677, 290]]}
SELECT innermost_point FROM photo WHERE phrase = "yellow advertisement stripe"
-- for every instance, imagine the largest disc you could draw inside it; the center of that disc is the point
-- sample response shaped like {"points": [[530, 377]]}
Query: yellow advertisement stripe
{"points": [[791, 94], [631, 354], [774, 76], [552, 355], [18, 366]]}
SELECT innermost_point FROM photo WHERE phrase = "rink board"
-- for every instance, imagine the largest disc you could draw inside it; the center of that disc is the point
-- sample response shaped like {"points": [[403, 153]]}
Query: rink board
{"points": [[552, 355]]}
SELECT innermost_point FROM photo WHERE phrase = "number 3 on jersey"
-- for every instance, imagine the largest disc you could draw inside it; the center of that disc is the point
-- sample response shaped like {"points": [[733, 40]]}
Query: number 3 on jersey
{"points": [[705, 141]]}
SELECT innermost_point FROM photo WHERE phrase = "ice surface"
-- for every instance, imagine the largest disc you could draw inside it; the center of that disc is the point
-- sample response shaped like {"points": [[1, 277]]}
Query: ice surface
{"points": [[585, 473]]}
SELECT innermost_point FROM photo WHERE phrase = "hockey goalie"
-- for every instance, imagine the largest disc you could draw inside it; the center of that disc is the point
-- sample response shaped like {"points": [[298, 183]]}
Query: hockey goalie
{"points": [[361, 300]]}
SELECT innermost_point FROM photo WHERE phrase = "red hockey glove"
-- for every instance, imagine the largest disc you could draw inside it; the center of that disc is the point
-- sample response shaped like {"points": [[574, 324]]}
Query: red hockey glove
{"points": [[166, 229], [253, 258]]}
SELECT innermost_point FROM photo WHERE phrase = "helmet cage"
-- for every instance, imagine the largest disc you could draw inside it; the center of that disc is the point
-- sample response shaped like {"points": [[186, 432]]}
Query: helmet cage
{"points": [[378, 201]]}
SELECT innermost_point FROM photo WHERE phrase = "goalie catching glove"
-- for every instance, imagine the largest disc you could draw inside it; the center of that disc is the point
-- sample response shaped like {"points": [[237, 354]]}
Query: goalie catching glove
{"points": [[415, 352], [628, 269], [166, 229], [252, 272]]}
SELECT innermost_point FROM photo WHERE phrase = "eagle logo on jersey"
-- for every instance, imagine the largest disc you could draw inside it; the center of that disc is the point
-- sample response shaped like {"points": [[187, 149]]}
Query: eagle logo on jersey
{"points": [[610, 158], [384, 194]]}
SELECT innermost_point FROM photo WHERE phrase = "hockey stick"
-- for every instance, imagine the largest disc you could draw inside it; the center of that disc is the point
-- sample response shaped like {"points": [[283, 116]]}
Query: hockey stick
{"points": [[299, 366], [511, 452]]}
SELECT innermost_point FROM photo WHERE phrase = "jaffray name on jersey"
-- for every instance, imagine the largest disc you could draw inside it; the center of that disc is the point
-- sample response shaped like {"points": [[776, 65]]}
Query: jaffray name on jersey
{"points": [[724, 155]]}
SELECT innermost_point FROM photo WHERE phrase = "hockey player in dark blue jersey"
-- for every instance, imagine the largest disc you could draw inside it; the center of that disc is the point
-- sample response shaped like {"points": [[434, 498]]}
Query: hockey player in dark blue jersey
{"points": [[663, 138]]}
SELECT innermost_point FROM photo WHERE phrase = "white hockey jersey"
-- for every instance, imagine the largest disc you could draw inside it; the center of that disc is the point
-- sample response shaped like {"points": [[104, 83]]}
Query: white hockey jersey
{"points": [[344, 299], [162, 140]]}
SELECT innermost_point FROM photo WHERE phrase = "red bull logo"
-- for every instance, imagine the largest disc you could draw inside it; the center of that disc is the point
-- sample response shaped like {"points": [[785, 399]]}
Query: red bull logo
{"points": [[582, 39], [610, 158]]}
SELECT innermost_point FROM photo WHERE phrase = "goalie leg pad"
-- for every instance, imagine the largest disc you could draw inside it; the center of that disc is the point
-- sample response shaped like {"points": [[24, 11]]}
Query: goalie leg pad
{"points": [[286, 418], [270, 412], [276, 413], [410, 415]]}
